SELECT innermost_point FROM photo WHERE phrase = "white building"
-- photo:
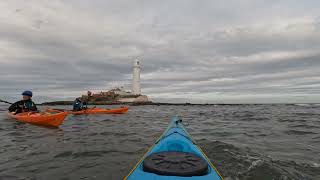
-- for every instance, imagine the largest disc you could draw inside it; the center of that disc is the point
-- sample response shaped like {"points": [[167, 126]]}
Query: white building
{"points": [[136, 89], [135, 95]]}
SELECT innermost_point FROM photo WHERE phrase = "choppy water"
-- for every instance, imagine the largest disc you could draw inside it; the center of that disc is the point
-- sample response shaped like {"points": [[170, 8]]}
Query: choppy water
{"points": [[260, 142]]}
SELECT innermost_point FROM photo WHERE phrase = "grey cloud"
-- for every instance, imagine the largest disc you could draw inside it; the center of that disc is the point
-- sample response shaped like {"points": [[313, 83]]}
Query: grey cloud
{"points": [[209, 50]]}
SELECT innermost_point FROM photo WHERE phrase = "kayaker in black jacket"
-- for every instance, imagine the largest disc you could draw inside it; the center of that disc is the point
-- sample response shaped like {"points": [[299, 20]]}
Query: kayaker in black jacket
{"points": [[25, 105], [77, 105]]}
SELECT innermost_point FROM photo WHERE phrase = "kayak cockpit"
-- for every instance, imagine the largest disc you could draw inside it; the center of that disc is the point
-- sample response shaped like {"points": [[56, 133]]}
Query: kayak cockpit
{"points": [[178, 152], [174, 163], [174, 157]]}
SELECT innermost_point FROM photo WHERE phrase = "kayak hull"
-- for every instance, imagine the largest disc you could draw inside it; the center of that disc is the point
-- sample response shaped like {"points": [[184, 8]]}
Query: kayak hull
{"points": [[175, 138], [121, 110], [42, 119]]}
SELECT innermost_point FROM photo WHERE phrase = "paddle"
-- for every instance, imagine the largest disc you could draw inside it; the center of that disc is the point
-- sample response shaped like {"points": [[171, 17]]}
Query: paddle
{"points": [[5, 101], [12, 103], [84, 108], [47, 108], [61, 109]]}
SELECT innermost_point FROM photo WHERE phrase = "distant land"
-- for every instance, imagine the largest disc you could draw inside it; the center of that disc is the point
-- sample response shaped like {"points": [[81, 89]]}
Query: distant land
{"points": [[58, 103]]}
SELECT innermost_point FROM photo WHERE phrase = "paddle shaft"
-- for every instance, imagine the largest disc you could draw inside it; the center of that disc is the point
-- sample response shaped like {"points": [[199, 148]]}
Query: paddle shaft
{"points": [[61, 109], [5, 101]]}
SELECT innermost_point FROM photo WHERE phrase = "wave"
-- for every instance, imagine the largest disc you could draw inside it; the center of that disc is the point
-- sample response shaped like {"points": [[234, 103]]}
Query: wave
{"points": [[308, 105], [297, 132], [242, 163]]}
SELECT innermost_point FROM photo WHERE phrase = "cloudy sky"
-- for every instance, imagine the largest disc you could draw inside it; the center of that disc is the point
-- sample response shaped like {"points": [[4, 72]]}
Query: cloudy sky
{"points": [[190, 50]]}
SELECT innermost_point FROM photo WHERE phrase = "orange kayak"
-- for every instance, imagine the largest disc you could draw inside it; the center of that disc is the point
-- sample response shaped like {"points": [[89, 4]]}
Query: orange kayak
{"points": [[42, 119], [120, 110]]}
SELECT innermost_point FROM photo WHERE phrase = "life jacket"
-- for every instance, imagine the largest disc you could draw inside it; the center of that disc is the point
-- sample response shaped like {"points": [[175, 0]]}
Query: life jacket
{"points": [[23, 106], [28, 106]]}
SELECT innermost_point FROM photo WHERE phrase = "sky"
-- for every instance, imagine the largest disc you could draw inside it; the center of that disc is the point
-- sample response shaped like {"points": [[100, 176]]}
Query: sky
{"points": [[201, 51]]}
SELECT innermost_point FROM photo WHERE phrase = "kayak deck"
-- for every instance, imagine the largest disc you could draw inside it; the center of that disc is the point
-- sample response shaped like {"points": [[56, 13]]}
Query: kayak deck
{"points": [[174, 139], [120, 110], [42, 119]]}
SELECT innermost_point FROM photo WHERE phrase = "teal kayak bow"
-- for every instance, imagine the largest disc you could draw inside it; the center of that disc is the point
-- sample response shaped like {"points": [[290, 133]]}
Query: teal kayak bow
{"points": [[174, 156]]}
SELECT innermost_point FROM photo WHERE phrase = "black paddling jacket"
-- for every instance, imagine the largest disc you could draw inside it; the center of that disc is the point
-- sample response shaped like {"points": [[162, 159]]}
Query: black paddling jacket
{"points": [[23, 106]]}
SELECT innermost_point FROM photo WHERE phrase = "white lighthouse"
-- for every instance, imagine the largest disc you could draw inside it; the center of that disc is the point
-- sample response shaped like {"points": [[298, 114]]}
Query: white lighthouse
{"points": [[136, 89]]}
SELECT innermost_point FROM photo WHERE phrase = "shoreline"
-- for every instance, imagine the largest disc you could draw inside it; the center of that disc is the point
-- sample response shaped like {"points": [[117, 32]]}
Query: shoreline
{"points": [[60, 103]]}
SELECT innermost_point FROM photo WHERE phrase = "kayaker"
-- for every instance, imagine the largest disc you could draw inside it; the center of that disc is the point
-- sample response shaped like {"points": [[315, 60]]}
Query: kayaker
{"points": [[85, 100], [25, 105], [77, 105]]}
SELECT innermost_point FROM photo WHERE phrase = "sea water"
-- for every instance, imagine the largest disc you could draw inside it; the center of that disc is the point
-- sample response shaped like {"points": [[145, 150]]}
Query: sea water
{"points": [[258, 142]]}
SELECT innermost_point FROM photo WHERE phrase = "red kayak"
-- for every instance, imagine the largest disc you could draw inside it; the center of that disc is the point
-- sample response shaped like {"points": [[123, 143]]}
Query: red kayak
{"points": [[42, 119]]}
